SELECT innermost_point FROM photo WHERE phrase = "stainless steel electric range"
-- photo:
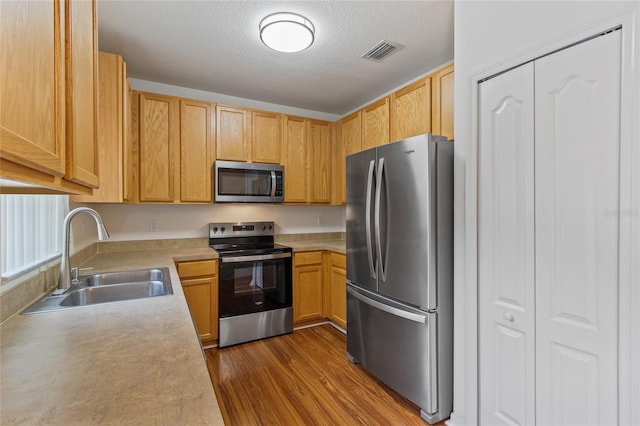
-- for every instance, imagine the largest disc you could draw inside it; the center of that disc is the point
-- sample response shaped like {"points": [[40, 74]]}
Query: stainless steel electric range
{"points": [[255, 282]]}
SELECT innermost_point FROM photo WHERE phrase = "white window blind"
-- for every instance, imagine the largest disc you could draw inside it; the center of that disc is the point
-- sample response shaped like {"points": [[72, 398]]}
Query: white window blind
{"points": [[30, 231]]}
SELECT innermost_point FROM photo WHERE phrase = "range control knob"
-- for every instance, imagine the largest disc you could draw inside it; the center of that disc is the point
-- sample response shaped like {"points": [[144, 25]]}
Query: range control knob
{"points": [[215, 229], [270, 227], [264, 227], [222, 229]]}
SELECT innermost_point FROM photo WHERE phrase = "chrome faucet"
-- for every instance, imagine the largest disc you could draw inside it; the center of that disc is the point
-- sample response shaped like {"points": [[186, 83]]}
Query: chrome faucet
{"points": [[64, 283]]}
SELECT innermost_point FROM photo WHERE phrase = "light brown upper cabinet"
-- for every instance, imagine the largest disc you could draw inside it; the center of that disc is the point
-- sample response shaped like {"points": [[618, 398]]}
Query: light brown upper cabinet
{"points": [[352, 133], [442, 102], [233, 133], [113, 130], [266, 137], [158, 144], [319, 160], [174, 146], [375, 124], [350, 142], [48, 75], [338, 188], [411, 110], [196, 151], [295, 159], [81, 93]]}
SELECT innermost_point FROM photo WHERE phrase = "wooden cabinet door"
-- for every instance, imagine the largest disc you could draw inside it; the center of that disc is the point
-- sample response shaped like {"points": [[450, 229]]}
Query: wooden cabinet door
{"points": [[112, 129], [266, 137], [200, 286], [442, 102], [81, 93], [338, 289], [233, 133], [338, 173], [202, 298], [375, 124], [157, 147], [196, 151], [350, 137], [295, 160], [352, 133], [307, 286], [319, 159], [32, 85], [411, 110]]}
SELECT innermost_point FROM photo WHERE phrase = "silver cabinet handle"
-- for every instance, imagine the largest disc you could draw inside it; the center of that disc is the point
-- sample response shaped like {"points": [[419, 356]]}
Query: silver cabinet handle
{"points": [[422, 319], [509, 317], [372, 268]]}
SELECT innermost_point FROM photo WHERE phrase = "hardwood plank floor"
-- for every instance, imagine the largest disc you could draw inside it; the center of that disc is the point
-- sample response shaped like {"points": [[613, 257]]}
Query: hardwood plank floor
{"points": [[303, 378]]}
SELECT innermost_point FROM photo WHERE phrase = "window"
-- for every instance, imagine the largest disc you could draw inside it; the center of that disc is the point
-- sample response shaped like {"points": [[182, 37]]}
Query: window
{"points": [[30, 231]]}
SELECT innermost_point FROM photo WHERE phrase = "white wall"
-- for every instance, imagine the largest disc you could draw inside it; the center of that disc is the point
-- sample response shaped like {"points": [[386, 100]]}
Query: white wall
{"points": [[490, 37], [132, 221]]}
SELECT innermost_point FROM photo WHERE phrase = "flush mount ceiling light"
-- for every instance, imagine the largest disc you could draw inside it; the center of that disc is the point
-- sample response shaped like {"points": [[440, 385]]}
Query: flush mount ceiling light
{"points": [[286, 32]]}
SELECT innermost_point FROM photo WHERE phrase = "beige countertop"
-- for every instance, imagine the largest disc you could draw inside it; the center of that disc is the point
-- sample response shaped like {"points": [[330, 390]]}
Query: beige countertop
{"points": [[132, 362]]}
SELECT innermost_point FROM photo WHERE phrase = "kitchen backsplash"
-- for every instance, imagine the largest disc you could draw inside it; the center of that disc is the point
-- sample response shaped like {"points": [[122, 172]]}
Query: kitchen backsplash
{"points": [[135, 222]]}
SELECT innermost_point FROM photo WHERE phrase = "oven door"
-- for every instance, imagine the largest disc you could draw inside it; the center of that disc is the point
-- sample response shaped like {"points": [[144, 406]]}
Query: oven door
{"points": [[257, 283]]}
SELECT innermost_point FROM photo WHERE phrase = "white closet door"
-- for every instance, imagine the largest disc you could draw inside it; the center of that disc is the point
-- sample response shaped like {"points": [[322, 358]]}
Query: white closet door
{"points": [[506, 249], [577, 147]]}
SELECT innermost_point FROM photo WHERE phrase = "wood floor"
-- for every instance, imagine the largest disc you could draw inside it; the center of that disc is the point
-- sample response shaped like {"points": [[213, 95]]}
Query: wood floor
{"points": [[303, 378]]}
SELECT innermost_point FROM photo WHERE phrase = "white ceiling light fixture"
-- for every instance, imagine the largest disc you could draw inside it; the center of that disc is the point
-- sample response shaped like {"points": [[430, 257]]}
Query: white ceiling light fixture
{"points": [[287, 32]]}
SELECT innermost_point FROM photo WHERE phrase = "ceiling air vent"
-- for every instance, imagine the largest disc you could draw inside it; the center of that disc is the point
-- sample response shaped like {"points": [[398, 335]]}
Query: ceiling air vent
{"points": [[381, 50]]}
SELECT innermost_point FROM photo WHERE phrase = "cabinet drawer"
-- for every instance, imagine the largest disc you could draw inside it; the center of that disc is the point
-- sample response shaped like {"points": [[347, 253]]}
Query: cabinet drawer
{"points": [[308, 258], [197, 268], [339, 260]]}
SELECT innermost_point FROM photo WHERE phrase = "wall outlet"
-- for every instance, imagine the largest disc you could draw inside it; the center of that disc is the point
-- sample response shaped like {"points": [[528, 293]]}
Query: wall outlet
{"points": [[154, 225], [320, 220]]}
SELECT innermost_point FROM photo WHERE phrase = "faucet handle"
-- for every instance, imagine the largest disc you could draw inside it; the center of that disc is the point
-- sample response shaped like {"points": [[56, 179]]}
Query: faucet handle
{"points": [[75, 272]]}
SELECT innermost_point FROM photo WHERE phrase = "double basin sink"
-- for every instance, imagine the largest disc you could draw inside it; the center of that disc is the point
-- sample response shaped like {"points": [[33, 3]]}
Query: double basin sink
{"points": [[107, 287]]}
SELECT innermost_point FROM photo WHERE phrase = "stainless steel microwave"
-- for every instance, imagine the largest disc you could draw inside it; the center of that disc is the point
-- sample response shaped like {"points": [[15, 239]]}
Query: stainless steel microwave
{"points": [[238, 182]]}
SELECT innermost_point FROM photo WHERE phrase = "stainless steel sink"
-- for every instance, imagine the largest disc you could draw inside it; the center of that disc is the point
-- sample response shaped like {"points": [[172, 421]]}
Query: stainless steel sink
{"points": [[108, 287]]}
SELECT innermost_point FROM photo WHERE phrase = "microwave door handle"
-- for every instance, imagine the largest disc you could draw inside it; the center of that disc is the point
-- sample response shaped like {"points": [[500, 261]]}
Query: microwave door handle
{"points": [[273, 183], [372, 265]]}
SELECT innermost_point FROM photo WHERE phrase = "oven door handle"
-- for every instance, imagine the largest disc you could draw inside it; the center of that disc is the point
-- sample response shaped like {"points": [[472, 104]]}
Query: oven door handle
{"points": [[238, 259]]}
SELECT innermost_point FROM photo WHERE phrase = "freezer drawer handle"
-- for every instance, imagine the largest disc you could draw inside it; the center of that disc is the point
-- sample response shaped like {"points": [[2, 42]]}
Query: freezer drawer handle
{"points": [[422, 319]]}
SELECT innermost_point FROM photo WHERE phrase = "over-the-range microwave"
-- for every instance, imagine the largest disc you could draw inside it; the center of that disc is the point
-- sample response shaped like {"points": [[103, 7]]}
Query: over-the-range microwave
{"points": [[238, 182]]}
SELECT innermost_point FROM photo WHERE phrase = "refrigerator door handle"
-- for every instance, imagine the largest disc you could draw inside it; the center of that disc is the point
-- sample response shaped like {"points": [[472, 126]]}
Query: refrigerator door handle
{"points": [[377, 217], [372, 266], [411, 316]]}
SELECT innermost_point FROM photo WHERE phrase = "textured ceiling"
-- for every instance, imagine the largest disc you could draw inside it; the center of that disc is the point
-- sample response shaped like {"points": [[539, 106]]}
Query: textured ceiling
{"points": [[215, 46]]}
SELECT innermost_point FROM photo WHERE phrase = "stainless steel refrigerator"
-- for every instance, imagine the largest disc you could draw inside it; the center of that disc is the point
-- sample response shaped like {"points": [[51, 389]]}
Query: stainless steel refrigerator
{"points": [[400, 268]]}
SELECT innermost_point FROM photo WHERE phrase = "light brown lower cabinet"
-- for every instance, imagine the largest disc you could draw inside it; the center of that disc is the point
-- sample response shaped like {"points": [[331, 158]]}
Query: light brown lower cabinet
{"points": [[337, 291], [320, 287], [200, 286], [307, 286]]}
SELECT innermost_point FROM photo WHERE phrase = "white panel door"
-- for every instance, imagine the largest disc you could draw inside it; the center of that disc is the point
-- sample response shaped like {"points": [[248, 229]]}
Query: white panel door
{"points": [[506, 249], [577, 147]]}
